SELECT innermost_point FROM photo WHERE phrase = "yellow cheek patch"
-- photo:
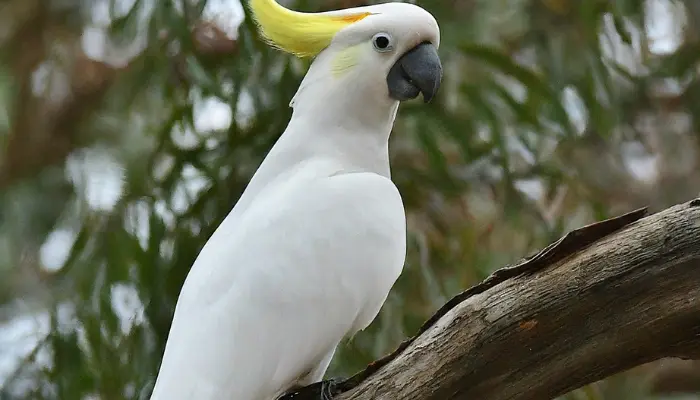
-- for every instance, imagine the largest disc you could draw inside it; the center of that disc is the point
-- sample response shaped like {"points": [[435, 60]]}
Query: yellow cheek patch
{"points": [[345, 60]]}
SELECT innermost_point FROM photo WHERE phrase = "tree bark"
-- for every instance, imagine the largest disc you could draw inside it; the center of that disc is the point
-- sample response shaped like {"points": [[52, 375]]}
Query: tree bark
{"points": [[603, 299]]}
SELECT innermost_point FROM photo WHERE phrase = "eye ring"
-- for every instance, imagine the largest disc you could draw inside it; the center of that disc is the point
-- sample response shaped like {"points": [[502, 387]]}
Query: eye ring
{"points": [[382, 42]]}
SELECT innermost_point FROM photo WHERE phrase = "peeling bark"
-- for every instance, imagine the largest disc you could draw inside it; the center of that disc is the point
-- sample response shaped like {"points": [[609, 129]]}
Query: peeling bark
{"points": [[601, 300]]}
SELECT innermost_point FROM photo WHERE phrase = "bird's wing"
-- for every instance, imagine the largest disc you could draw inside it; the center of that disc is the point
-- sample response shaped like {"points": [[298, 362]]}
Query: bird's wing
{"points": [[275, 290]]}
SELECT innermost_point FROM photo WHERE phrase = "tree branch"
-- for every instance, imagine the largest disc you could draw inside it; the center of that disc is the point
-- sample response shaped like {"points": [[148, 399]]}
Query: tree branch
{"points": [[603, 299]]}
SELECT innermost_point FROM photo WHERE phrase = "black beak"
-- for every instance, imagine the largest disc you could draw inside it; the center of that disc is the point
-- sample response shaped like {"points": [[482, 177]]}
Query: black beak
{"points": [[419, 70]]}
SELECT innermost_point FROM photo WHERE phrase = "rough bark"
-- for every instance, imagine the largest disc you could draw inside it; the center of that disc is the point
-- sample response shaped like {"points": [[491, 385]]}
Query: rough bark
{"points": [[603, 299]]}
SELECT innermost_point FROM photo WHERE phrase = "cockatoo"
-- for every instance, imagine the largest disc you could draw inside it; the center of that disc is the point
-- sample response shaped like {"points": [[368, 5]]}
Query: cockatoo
{"points": [[310, 251]]}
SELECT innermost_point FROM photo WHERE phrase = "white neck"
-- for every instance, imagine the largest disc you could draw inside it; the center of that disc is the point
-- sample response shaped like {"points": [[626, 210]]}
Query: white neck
{"points": [[331, 121], [346, 115], [334, 119]]}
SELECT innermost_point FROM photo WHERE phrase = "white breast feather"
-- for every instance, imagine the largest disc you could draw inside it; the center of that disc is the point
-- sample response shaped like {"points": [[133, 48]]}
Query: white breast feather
{"points": [[311, 260]]}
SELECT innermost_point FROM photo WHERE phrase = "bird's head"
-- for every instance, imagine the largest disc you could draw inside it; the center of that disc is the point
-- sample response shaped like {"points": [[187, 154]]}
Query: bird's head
{"points": [[383, 53]]}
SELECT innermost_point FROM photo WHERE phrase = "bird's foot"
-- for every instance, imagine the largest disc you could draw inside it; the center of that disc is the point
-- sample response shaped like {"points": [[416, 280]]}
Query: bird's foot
{"points": [[324, 390]]}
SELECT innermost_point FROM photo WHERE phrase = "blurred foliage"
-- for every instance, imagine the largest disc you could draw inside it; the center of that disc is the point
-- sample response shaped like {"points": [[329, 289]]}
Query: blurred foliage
{"points": [[128, 129]]}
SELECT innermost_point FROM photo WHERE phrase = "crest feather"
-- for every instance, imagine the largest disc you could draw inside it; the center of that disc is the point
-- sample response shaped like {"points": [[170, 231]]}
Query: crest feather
{"points": [[302, 34]]}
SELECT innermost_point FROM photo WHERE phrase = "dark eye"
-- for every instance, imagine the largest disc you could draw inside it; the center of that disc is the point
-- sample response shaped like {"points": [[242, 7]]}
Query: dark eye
{"points": [[382, 42]]}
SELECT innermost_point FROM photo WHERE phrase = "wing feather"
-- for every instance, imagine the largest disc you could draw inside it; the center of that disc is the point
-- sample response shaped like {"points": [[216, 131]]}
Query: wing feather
{"points": [[274, 290]]}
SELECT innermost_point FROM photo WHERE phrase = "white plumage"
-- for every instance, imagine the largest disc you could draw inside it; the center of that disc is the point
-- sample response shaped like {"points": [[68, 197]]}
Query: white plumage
{"points": [[311, 250]]}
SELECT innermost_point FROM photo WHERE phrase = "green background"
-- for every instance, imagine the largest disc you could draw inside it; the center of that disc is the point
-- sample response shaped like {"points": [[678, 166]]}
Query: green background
{"points": [[117, 162]]}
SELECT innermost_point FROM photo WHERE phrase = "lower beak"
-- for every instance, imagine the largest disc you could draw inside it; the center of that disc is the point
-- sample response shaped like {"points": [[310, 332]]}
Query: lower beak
{"points": [[417, 71]]}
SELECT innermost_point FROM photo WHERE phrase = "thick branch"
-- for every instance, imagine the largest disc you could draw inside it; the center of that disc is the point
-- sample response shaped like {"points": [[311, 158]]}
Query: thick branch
{"points": [[605, 298]]}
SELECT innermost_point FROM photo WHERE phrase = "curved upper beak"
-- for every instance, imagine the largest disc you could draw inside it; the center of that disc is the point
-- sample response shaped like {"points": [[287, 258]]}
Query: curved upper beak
{"points": [[419, 70]]}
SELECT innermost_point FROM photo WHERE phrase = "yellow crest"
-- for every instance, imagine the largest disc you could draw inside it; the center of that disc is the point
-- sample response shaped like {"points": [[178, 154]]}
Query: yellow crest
{"points": [[302, 34]]}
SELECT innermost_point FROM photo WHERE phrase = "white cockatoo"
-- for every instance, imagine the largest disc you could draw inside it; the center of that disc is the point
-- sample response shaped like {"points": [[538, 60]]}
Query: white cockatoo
{"points": [[311, 250]]}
